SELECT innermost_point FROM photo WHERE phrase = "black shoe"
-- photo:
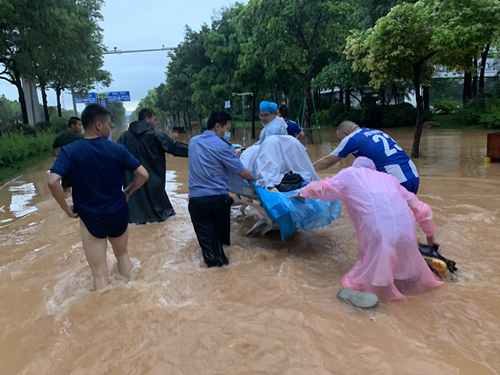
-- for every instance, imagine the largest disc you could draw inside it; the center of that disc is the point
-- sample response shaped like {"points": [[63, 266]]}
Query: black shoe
{"points": [[437, 263]]}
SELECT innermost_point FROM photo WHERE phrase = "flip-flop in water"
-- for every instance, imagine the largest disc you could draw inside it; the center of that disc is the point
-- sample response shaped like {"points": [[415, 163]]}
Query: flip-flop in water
{"points": [[437, 263], [363, 300]]}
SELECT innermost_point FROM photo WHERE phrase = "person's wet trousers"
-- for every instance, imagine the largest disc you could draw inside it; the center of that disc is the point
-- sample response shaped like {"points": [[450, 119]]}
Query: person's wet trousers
{"points": [[211, 221]]}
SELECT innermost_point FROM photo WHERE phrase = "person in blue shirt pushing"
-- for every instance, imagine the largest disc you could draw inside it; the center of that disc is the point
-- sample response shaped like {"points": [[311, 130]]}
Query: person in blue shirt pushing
{"points": [[377, 146], [211, 161], [293, 128]]}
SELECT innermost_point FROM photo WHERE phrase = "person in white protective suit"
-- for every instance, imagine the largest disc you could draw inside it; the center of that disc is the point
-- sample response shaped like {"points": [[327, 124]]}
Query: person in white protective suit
{"points": [[276, 156], [273, 124], [384, 215]]}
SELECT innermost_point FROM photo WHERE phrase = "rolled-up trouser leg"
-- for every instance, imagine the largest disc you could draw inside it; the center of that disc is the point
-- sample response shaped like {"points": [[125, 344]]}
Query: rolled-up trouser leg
{"points": [[202, 211]]}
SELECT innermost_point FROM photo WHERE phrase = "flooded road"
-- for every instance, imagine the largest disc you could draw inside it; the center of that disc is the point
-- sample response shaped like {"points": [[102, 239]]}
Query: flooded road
{"points": [[274, 309]]}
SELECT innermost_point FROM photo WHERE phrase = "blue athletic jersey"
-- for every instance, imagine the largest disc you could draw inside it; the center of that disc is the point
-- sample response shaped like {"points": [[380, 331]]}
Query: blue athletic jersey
{"points": [[293, 128], [382, 149]]}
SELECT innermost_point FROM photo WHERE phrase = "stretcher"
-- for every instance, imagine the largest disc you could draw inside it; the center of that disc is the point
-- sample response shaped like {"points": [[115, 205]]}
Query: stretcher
{"points": [[244, 195], [280, 212]]}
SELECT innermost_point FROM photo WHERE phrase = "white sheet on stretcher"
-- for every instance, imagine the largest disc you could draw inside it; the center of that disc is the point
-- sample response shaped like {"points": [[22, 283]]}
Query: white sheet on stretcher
{"points": [[276, 156]]}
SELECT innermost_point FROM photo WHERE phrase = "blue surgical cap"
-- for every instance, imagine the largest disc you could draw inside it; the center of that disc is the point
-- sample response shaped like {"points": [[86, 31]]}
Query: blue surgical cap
{"points": [[268, 107]]}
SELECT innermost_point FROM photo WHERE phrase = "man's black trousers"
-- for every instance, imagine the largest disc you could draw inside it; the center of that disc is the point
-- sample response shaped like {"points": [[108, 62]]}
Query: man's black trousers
{"points": [[211, 221]]}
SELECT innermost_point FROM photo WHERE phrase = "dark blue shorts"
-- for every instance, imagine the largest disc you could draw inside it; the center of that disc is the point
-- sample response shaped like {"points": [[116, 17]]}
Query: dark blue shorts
{"points": [[412, 185], [106, 225]]}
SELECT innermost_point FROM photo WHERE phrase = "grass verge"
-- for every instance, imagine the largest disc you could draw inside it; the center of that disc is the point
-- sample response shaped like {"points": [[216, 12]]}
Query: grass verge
{"points": [[7, 173]]}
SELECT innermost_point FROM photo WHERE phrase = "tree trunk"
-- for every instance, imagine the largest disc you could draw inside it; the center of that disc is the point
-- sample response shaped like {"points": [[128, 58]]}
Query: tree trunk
{"points": [[382, 96], [467, 93], [254, 107], [415, 150], [200, 122], [58, 95], [189, 120], [474, 81], [484, 56], [44, 100], [308, 103], [347, 96], [185, 119], [22, 99], [426, 98], [395, 94], [330, 99], [341, 96]]}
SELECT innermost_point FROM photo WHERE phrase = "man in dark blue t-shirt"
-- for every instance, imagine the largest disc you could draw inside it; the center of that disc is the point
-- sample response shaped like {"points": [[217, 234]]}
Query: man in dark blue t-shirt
{"points": [[293, 128], [97, 167]]}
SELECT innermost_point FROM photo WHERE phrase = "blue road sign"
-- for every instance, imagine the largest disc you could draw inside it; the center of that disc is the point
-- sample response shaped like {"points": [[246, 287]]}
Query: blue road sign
{"points": [[103, 103], [118, 96], [92, 98]]}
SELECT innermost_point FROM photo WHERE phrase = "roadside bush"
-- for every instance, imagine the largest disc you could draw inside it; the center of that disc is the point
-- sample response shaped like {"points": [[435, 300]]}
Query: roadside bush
{"points": [[328, 116], [57, 125], [21, 128], [354, 115], [16, 145], [490, 116], [444, 106]]}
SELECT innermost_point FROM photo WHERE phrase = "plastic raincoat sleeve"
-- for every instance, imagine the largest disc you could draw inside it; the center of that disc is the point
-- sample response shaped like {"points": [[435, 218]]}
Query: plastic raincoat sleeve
{"points": [[422, 212], [172, 147], [327, 190]]}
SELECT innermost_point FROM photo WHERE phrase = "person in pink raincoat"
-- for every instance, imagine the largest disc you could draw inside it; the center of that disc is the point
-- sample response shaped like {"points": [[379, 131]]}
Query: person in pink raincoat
{"points": [[385, 217]]}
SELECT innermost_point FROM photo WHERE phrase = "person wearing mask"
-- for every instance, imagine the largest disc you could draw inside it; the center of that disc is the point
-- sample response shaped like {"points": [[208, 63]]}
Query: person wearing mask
{"points": [[211, 161]]}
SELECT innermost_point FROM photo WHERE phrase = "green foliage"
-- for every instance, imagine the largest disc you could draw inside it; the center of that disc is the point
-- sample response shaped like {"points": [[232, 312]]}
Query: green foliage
{"points": [[328, 116], [52, 42], [445, 106], [118, 117], [15, 146], [490, 117], [378, 116], [10, 111], [482, 110]]}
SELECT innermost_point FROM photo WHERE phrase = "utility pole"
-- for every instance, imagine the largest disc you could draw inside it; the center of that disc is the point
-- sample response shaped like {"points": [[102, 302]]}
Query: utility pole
{"points": [[242, 95]]}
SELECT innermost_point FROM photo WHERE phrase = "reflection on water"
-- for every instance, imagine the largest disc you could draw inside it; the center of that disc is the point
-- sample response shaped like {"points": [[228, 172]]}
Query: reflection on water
{"points": [[273, 310], [22, 195]]}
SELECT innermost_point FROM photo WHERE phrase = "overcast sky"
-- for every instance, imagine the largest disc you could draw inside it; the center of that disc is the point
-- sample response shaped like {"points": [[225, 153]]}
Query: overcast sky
{"points": [[146, 24]]}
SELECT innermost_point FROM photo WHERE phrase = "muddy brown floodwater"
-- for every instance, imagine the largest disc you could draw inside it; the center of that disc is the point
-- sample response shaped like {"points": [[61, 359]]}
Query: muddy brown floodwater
{"points": [[274, 309]]}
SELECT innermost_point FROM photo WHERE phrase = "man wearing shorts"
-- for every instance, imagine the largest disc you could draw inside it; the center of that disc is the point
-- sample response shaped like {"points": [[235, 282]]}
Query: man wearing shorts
{"points": [[97, 167]]}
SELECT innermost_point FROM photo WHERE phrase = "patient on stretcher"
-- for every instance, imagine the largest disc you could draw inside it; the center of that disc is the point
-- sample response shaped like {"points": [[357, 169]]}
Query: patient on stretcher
{"points": [[275, 157]]}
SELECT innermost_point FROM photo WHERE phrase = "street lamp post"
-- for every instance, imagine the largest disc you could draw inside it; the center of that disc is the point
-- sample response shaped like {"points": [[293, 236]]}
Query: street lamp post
{"points": [[243, 94]]}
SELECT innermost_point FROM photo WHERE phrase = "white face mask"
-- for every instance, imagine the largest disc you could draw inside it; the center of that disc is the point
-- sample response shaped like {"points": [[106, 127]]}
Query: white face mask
{"points": [[227, 135]]}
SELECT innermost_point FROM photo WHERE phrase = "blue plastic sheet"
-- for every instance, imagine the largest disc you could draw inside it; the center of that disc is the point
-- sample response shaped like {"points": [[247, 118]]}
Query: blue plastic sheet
{"points": [[292, 214]]}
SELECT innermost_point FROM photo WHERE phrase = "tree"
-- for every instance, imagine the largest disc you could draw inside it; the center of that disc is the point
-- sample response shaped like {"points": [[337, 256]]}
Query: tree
{"points": [[412, 38], [187, 60], [117, 109], [299, 36], [213, 84], [51, 42]]}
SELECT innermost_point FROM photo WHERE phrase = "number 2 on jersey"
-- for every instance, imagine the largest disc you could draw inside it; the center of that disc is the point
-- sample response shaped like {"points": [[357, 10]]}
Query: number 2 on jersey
{"points": [[388, 150]]}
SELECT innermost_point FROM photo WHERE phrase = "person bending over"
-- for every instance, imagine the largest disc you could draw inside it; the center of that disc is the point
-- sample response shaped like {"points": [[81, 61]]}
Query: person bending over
{"points": [[376, 145], [384, 215]]}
